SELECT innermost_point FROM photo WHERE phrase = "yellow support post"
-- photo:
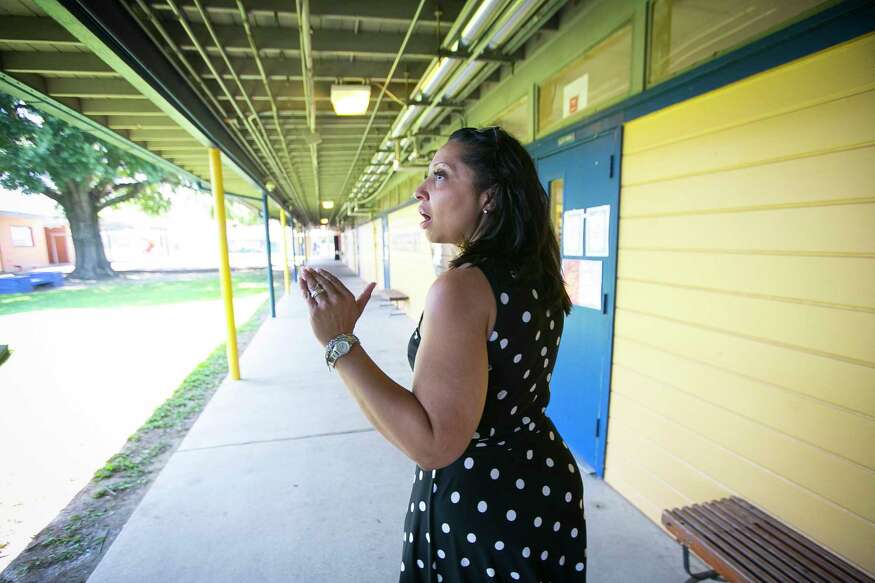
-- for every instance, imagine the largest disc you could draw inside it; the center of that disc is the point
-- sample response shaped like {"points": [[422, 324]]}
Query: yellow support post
{"points": [[286, 278], [224, 265], [306, 248]]}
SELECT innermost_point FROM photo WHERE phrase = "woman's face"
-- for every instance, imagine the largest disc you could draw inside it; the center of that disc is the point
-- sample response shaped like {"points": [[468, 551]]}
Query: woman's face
{"points": [[449, 205]]}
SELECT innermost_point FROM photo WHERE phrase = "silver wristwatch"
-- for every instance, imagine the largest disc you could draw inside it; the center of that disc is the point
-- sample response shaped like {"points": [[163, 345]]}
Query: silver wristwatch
{"points": [[337, 347]]}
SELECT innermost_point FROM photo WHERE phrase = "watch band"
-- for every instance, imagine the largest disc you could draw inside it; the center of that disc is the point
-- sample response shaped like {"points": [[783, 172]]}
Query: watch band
{"points": [[339, 346]]}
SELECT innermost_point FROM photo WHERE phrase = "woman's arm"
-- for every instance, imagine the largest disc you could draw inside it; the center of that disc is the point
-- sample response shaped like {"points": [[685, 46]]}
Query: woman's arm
{"points": [[434, 423]]}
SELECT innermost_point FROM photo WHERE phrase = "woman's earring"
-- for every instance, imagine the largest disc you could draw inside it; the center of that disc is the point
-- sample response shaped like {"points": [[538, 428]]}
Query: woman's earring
{"points": [[485, 211]]}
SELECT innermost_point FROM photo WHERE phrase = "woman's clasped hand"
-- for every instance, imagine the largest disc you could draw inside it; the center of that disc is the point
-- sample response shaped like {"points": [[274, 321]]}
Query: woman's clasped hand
{"points": [[334, 310]]}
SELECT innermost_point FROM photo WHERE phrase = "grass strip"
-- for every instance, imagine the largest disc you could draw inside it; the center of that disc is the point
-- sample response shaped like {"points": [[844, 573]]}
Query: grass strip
{"points": [[133, 290], [98, 512]]}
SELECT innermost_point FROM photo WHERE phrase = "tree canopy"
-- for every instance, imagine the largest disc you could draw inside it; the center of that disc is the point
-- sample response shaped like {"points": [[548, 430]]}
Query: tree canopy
{"points": [[40, 154]]}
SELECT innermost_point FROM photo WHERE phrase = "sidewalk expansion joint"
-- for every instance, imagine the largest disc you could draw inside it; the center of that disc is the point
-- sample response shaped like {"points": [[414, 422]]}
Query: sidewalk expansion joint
{"points": [[278, 439]]}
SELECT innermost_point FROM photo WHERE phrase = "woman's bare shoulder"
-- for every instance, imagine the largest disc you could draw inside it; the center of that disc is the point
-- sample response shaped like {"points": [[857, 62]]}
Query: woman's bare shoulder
{"points": [[464, 286], [461, 298]]}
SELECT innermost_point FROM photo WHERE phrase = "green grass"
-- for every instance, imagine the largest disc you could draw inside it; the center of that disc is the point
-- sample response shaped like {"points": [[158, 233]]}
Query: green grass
{"points": [[66, 542], [131, 468], [125, 292]]}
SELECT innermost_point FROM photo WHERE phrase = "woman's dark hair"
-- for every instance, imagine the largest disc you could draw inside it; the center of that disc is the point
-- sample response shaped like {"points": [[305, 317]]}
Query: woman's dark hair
{"points": [[518, 224]]}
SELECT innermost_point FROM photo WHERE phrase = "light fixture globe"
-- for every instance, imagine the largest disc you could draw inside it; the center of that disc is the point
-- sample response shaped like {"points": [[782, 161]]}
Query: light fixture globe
{"points": [[350, 99]]}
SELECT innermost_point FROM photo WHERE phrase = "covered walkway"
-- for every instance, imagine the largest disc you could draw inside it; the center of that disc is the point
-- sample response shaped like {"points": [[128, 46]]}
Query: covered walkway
{"points": [[283, 479]]}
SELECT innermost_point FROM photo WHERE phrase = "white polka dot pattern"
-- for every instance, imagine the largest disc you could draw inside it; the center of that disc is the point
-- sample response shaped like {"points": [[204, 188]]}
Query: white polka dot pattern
{"points": [[507, 503]]}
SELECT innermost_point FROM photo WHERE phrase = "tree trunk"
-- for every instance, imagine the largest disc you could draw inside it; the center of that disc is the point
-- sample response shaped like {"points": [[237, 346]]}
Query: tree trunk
{"points": [[91, 262]]}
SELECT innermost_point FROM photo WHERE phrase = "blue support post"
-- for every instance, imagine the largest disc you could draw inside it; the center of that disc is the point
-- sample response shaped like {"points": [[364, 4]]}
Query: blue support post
{"points": [[294, 256], [269, 262]]}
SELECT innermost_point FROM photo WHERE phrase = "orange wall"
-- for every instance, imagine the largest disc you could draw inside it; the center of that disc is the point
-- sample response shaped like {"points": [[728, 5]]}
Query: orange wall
{"points": [[26, 257]]}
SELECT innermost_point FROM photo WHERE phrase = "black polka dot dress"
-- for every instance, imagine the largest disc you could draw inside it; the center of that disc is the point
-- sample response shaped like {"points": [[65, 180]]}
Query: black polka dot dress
{"points": [[511, 507]]}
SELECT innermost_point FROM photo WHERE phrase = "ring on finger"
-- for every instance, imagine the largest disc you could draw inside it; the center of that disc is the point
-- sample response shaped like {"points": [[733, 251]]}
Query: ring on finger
{"points": [[316, 291]]}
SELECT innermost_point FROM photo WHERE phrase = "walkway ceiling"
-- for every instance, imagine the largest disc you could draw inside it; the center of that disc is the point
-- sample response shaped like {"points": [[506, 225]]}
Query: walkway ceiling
{"points": [[170, 77]]}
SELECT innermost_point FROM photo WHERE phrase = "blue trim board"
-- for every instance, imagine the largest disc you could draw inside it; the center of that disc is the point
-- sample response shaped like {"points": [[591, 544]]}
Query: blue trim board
{"points": [[837, 24]]}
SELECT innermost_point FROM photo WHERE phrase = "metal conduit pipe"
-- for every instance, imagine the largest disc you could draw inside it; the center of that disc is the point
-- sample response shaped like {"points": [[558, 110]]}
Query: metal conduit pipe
{"points": [[438, 68], [302, 8], [509, 26], [217, 107], [505, 27], [517, 37], [401, 49], [510, 14], [268, 147], [478, 21], [442, 67], [289, 166], [481, 18], [183, 20]]}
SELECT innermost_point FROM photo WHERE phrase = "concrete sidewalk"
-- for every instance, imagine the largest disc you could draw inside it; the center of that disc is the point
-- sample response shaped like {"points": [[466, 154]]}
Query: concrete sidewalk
{"points": [[282, 479]]}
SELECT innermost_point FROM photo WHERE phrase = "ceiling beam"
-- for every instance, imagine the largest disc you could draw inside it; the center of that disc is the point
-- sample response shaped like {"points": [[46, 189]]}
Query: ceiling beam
{"points": [[294, 91], [93, 107], [387, 11], [383, 45], [290, 113], [139, 123], [282, 68], [296, 132], [94, 88], [35, 30], [177, 135], [172, 147], [45, 63]]}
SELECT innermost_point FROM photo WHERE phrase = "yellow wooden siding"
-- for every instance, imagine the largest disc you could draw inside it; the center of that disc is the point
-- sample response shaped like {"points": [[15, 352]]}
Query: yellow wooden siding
{"points": [[367, 252], [744, 352], [349, 251], [378, 259], [791, 87], [410, 255]]}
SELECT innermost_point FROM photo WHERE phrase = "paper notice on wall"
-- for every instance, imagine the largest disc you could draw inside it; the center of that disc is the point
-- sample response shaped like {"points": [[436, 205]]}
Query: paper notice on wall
{"points": [[572, 232], [575, 95], [583, 282], [598, 225]]}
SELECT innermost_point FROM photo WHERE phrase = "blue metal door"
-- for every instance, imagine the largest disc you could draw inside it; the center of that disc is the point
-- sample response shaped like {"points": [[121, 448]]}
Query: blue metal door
{"points": [[386, 252], [586, 176]]}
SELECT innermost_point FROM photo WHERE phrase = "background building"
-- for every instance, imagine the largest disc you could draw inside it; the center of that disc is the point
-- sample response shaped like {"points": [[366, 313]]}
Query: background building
{"points": [[33, 234]]}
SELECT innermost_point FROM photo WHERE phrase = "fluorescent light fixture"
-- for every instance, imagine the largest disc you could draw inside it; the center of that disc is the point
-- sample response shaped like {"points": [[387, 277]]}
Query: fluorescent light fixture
{"points": [[323, 221], [350, 99], [328, 204]]}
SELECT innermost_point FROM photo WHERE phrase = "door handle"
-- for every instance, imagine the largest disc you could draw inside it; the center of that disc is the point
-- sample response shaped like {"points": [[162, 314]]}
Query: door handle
{"points": [[605, 305]]}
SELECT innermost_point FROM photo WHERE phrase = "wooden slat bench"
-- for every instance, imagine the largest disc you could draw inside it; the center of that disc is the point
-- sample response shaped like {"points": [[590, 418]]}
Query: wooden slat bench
{"points": [[394, 297], [740, 542]]}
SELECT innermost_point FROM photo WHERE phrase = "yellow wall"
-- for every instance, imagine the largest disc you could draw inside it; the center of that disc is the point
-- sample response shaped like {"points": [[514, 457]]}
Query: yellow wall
{"points": [[744, 357], [368, 252], [378, 259], [411, 268], [349, 248]]}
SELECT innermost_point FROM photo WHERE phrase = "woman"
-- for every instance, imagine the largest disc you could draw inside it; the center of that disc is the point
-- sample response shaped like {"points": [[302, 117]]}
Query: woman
{"points": [[496, 496]]}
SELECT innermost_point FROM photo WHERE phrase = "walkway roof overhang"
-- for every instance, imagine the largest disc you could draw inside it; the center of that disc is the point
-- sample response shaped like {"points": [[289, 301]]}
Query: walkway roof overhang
{"points": [[169, 78]]}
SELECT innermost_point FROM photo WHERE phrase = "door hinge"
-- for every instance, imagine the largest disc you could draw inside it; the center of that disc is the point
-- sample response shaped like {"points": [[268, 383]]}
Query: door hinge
{"points": [[598, 425]]}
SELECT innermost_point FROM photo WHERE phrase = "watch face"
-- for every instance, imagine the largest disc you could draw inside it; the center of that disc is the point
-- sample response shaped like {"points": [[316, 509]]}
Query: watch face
{"points": [[342, 347]]}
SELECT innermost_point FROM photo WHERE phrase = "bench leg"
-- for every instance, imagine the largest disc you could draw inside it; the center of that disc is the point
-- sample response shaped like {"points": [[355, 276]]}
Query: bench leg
{"points": [[701, 576]]}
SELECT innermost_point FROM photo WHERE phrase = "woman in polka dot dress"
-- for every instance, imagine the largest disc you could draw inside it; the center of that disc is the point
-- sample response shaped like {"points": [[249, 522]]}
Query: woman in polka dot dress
{"points": [[511, 507], [497, 495]]}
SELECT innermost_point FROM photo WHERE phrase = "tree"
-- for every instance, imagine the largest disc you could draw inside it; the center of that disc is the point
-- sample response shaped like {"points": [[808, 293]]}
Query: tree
{"points": [[40, 154]]}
